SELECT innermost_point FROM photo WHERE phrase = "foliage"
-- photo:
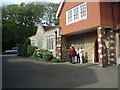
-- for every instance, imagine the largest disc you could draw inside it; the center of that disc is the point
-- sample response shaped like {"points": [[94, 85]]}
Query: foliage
{"points": [[57, 60], [43, 53], [31, 49], [25, 45], [18, 21], [50, 14], [37, 58]]}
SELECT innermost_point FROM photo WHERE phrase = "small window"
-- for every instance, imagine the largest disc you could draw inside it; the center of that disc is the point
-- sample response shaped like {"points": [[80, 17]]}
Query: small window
{"points": [[50, 43], [83, 10], [33, 42], [70, 16], [39, 43]]}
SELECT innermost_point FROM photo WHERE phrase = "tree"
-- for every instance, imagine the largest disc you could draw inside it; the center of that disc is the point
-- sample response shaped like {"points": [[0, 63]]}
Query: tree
{"points": [[50, 14], [19, 21]]}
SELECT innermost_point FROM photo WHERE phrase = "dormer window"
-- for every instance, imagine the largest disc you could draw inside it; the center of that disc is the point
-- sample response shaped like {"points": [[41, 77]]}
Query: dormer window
{"points": [[76, 14]]}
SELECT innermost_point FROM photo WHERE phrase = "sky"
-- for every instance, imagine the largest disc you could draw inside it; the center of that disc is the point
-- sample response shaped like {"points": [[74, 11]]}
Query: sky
{"points": [[6, 2]]}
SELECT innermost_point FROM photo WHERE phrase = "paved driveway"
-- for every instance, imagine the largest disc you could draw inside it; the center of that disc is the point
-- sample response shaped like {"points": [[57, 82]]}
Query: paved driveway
{"points": [[19, 72]]}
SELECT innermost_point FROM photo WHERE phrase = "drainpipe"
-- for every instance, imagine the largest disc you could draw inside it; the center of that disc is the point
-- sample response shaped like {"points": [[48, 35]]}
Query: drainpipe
{"points": [[113, 16], [119, 12], [56, 43]]}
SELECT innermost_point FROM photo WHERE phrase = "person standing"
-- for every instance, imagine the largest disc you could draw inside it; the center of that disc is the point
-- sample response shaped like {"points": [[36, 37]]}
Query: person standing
{"points": [[80, 54], [73, 53], [70, 59]]}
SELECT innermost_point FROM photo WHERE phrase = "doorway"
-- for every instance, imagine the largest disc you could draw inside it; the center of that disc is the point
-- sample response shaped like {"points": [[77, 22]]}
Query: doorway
{"points": [[96, 51]]}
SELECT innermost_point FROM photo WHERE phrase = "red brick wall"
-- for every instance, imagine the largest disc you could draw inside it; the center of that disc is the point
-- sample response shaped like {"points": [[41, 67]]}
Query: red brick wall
{"points": [[99, 14], [107, 14], [93, 12]]}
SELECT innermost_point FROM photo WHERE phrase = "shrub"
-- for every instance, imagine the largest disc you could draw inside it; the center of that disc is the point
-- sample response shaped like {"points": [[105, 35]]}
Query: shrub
{"points": [[25, 45], [31, 49], [57, 60], [37, 58], [48, 56], [43, 53]]}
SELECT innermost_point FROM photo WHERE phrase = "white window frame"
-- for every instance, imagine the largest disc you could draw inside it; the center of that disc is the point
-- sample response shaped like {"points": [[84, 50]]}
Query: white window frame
{"points": [[50, 43], [80, 18]]}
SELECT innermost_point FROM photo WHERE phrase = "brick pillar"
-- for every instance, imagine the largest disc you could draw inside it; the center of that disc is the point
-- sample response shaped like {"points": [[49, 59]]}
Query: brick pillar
{"points": [[58, 47], [101, 46], [112, 48]]}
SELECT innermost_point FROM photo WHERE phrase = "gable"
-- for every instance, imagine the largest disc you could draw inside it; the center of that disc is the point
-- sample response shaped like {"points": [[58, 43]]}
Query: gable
{"points": [[60, 8], [40, 29]]}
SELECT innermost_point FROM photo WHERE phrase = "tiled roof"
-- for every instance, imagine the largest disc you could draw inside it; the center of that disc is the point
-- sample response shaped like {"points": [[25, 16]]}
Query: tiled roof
{"points": [[48, 27]]}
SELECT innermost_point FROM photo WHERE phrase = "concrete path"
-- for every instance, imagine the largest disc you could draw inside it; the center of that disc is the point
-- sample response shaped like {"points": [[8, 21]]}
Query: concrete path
{"points": [[19, 72]]}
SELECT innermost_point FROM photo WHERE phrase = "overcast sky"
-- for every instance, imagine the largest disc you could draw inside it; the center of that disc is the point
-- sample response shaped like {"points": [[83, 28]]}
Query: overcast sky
{"points": [[5, 2]]}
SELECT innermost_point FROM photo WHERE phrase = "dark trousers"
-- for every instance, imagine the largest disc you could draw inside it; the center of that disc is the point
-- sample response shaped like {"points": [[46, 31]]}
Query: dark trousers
{"points": [[73, 59], [78, 58], [70, 59]]}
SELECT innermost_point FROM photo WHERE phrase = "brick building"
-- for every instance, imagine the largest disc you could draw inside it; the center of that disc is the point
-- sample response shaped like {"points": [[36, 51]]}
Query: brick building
{"points": [[90, 25]]}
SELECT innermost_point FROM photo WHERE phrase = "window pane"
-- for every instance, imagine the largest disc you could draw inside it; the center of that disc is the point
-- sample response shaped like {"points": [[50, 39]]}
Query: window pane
{"points": [[52, 43], [47, 44], [76, 13], [70, 16], [83, 10], [39, 43]]}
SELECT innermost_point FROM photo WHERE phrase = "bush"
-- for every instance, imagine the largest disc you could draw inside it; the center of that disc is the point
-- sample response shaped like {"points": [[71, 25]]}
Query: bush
{"points": [[31, 49], [57, 60], [43, 53], [25, 45], [37, 58]]}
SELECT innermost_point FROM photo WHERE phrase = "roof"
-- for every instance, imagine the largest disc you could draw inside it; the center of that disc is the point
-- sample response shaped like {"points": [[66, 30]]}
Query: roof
{"points": [[60, 8], [62, 3], [48, 27]]}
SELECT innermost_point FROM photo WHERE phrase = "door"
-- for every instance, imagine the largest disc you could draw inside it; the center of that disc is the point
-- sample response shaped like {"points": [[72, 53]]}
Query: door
{"points": [[96, 51]]}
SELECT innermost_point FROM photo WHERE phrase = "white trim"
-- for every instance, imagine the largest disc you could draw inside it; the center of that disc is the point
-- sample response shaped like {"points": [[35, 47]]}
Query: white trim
{"points": [[49, 47], [59, 8]]}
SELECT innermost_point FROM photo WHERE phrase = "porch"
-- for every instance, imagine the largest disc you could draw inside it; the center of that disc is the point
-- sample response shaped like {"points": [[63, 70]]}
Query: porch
{"points": [[98, 45]]}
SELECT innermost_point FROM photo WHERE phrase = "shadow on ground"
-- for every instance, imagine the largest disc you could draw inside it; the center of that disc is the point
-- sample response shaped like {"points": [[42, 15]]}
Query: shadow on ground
{"points": [[19, 72]]}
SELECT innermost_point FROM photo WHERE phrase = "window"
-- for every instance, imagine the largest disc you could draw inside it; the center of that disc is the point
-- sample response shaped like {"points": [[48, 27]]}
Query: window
{"points": [[39, 43], [33, 42], [83, 10], [50, 43], [76, 14], [70, 16]]}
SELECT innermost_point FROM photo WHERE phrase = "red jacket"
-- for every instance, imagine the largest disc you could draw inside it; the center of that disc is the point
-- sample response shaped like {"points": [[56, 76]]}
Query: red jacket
{"points": [[72, 52], [68, 51]]}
